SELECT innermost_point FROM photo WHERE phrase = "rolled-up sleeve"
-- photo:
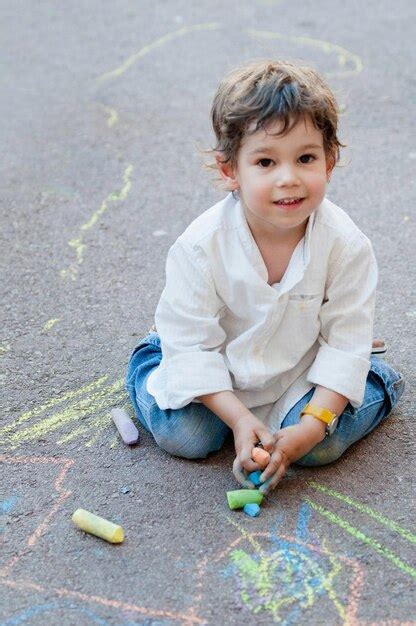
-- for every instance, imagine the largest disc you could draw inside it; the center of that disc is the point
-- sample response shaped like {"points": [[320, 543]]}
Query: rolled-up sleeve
{"points": [[188, 322], [347, 318]]}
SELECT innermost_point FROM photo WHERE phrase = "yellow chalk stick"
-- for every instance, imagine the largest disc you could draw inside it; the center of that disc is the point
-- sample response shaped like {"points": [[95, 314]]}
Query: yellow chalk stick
{"points": [[98, 526]]}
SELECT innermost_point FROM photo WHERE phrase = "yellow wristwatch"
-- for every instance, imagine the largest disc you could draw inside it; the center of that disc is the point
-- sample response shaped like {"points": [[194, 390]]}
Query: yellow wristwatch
{"points": [[325, 415]]}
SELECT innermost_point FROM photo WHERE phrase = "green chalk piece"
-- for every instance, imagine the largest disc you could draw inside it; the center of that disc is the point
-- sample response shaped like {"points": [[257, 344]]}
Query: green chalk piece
{"points": [[98, 526], [237, 499]]}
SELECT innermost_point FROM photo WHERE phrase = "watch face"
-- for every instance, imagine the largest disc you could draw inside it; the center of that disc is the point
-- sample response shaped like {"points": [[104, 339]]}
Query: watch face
{"points": [[332, 426]]}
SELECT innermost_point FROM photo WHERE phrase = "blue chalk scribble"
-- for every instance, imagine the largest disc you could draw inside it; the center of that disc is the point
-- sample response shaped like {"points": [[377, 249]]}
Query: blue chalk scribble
{"points": [[28, 614], [7, 505]]}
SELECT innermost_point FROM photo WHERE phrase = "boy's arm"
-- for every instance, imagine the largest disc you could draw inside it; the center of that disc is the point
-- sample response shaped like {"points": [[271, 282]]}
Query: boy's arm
{"points": [[346, 322], [226, 406], [328, 399], [188, 320], [295, 441], [311, 429]]}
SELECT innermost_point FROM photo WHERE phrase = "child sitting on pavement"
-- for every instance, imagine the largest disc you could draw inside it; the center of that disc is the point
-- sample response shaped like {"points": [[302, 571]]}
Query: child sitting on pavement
{"points": [[266, 318]]}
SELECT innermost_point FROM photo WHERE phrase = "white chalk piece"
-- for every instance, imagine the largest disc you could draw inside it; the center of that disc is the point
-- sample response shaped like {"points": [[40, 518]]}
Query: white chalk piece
{"points": [[125, 426]]}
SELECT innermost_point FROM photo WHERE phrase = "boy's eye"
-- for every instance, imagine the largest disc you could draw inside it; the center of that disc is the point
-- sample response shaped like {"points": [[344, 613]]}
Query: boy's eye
{"points": [[307, 158], [264, 162]]}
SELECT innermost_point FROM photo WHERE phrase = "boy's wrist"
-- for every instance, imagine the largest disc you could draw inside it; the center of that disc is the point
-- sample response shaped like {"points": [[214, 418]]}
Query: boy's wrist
{"points": [[313, 426]]}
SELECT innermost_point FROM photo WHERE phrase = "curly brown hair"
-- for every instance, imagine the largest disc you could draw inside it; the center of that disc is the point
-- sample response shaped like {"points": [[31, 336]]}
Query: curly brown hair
{"points": [[264, 91]]}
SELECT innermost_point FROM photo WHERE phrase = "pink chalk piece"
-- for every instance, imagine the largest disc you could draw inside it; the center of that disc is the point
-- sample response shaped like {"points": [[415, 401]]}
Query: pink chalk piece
{"points": [[125, 426], [260, 456]]}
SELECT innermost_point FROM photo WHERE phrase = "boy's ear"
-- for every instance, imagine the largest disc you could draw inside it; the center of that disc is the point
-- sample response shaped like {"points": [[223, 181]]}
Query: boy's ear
{"points": [[330, 164], [227, 172]]}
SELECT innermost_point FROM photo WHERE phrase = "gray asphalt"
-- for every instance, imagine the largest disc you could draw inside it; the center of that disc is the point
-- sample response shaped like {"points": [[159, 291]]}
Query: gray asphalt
{"points": [[104, 110]]}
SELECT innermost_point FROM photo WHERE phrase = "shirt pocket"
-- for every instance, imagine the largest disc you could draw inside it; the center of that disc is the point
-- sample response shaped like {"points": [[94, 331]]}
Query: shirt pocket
{"points": [[304, 296], [301, 324], [310, 302]]}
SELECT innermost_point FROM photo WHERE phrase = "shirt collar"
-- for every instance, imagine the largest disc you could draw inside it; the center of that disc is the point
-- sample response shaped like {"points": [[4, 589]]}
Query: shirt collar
{"points": [[300, 262]]}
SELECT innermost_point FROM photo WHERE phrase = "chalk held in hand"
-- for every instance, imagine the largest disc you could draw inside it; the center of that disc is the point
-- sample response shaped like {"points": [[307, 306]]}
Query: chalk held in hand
{"points": [[254, 477], [125, 426], [238, 498], [260, 456], [98, 526]]}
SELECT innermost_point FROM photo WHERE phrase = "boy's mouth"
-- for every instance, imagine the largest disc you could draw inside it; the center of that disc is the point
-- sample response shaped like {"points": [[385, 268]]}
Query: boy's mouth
{"points": [[292, 202]]}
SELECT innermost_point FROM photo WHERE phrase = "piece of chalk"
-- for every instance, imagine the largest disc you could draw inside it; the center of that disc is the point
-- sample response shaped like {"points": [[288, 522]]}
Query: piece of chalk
{"points": [[237, 499], [98, 526], [254, 477], [251, 509], [125, 426], [260, 456]]}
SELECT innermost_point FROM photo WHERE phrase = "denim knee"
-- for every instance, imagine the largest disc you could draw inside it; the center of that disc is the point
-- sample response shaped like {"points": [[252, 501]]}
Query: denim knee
{"points": [[192, 432], [328, 451], [384, 388], [392, 381], [146, 356]]}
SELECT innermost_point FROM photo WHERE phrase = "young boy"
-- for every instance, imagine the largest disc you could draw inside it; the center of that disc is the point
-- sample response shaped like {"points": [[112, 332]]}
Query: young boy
{"points": [[266, 319]]}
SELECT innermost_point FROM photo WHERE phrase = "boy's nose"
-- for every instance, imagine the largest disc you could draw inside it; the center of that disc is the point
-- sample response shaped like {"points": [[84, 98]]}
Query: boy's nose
{"points": [[286, 177]]}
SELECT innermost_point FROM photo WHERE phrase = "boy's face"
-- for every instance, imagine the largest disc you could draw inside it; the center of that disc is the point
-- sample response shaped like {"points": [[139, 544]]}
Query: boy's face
{"points": [[281, 179]]}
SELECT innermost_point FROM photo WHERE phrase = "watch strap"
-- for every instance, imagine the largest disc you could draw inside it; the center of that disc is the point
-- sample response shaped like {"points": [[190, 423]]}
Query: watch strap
{"points": [[325, 415]]}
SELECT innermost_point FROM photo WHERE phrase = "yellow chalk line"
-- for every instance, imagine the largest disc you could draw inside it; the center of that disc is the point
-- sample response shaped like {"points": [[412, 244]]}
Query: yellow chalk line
{"points": [[77, 243], [112, 115], [48, 425], [358, 534], [254, 544], [156, 44], [115, 442], [343, 55], [336, 568], [84, 406], [49, 404], [98, 423], [363, 508], [51, 323]]}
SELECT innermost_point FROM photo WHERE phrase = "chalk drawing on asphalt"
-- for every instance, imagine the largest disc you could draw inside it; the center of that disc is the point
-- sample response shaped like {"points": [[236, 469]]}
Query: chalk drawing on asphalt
{"points": [[79, 415], [78, 243]]}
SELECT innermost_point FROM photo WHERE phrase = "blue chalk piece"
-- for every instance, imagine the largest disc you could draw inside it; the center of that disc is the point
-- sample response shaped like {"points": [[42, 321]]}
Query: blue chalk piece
{"points": [[251, 509], [255, 478]]}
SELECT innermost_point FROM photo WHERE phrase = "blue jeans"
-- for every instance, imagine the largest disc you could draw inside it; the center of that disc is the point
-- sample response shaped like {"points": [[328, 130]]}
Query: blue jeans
{"points": [[194, 431]]}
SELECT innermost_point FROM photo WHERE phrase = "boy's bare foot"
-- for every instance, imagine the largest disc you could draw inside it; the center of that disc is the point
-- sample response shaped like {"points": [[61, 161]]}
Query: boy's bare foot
{"points": [[378, 343]]}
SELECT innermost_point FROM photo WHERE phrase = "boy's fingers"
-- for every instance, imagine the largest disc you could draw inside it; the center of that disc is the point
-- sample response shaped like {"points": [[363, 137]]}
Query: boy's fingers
{"points": [[273, 481], [249, 465], [240, 475], [238, 472], [273, 466], [267, 441], [246, 461]]}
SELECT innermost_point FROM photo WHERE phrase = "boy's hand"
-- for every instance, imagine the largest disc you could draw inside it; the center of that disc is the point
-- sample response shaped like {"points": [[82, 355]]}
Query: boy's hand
{"points": [[291, 444], [249, 431]]}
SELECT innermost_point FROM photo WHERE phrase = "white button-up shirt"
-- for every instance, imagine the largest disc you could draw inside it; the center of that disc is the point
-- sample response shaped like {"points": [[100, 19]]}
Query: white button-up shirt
{"points": [[223, 327]]}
